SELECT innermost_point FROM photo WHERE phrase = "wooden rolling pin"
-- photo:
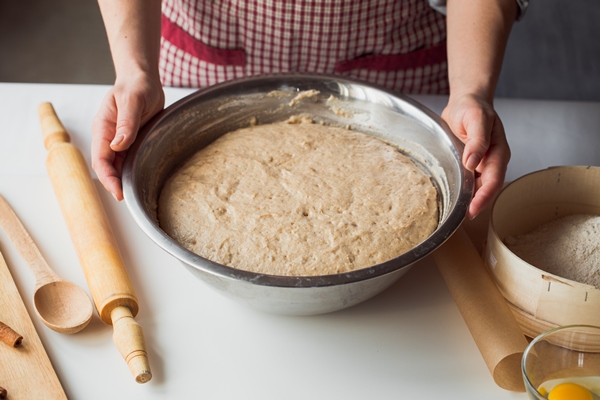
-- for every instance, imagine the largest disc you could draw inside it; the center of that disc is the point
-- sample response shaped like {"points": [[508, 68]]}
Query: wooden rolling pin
{"points": [[94, 242]]}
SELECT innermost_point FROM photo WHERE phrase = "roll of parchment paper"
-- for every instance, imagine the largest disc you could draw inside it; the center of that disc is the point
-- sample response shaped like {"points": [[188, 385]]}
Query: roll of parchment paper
{"points": [[485, 311]]}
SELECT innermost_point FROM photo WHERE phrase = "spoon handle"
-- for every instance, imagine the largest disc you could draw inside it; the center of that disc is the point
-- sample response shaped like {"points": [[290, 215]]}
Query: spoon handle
{"points": [[24, 243]]}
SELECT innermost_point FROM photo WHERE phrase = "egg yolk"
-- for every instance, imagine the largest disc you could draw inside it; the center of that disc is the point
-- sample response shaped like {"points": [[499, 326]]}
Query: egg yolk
{"points": [[569, 391]]}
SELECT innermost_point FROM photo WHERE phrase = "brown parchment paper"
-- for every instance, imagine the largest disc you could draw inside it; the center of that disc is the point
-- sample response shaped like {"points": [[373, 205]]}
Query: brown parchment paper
{"points": [[485, 311]]}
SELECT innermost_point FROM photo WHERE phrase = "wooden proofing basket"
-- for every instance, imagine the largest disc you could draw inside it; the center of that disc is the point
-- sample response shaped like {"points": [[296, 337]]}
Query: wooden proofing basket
{"points": [[539, 300]]}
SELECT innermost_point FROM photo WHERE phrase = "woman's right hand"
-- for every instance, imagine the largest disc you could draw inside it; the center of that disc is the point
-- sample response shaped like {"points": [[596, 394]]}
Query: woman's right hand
{"points": [[126, 107]]}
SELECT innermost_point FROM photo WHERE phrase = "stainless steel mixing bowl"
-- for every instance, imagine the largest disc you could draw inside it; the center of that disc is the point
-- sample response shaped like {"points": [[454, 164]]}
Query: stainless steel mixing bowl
{"points": [[173, 135]]}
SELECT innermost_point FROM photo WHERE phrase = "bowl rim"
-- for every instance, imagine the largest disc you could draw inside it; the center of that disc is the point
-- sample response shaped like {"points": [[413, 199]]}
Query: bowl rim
{"points": [[452, 221], [534, 341]]}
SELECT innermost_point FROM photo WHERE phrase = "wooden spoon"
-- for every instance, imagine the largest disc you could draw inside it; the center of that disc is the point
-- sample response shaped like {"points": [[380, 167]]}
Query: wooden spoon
{"points": [[62, 305]]}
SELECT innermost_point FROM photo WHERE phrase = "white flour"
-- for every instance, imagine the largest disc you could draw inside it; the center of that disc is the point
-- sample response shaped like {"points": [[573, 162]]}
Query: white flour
{"points": [[568, 247]]}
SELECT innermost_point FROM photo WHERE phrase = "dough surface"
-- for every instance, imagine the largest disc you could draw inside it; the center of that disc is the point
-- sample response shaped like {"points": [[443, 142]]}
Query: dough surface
{"points": [[298, 200]]}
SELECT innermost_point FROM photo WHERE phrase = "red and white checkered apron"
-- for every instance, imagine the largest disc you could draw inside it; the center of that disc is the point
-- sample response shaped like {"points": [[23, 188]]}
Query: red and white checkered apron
{"points": [[400, 44]]}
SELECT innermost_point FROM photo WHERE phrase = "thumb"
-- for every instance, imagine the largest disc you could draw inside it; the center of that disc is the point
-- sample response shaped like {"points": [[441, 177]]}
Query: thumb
{"points": [[477, 143], [128, 123]]}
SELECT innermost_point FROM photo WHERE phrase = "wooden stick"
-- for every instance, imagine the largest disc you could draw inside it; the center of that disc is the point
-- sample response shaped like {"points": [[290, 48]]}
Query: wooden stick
{"points": [[9, 336], [94, 241]]}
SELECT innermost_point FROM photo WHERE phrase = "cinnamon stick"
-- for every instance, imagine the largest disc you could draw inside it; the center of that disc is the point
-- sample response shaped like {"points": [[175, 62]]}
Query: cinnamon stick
{"points": [[9, 336]]}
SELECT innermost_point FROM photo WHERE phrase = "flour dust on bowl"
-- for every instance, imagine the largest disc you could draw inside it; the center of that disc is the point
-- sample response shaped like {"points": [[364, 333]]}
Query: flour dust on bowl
{"points": [[196, 121]]}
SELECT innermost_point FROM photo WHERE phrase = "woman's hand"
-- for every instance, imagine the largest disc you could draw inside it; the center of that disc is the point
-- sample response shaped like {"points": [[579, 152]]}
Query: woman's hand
{"points": [[133, 30], [125, 108], [474, 121], [477, 36]]}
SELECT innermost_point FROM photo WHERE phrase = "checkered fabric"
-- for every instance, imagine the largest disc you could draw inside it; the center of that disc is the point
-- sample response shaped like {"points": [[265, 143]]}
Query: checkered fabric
{"points": [[399, 44]]}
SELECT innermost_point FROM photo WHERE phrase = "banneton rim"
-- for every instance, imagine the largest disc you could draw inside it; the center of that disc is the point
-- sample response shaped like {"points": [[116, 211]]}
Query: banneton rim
{"points": [[191, 123]]}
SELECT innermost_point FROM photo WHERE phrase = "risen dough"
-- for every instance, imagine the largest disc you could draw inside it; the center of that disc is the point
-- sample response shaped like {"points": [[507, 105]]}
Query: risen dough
{"points": [[298, 199]]}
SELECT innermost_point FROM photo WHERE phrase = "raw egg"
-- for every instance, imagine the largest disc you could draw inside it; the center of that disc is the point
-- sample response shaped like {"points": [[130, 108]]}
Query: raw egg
{"points": [[571, 388], [569, 391]]}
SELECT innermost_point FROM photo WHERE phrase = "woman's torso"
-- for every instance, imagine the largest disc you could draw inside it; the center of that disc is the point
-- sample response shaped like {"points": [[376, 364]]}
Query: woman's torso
{"points": [[399, 44]]}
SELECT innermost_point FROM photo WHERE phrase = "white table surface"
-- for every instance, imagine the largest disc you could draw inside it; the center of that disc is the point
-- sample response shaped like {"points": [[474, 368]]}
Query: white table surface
{"points": [[409, 342]]}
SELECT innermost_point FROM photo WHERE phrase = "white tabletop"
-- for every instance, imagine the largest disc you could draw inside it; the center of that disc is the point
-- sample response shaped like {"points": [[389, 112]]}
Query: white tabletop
{"points": [[410, 342]]}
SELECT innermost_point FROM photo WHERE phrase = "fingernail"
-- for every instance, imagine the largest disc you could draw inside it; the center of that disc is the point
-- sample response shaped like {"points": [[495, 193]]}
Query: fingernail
{"points": [[472, 162], [472, 215], [115, 196], [117, 140]]}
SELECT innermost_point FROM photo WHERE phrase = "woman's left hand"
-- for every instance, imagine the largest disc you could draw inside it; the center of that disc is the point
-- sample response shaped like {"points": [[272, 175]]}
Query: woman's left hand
{"points": [[475, 122]]}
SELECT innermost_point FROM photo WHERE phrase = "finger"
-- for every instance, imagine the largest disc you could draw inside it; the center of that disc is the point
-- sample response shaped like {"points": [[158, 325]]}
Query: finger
{"points": [[478, 129], [118, 162], [113, 184], [483, 197], [128, 122], [491, 180], [109, 177], [102, 155], [103, 159]]}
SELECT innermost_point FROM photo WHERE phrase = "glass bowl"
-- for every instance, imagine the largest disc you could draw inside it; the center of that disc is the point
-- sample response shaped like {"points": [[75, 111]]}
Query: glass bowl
{"points": [[563, 364]]}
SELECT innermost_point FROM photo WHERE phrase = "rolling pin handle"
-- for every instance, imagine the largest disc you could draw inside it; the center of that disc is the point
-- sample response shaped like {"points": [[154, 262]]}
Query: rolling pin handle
{"points": [[129, 339], [52, 129]]}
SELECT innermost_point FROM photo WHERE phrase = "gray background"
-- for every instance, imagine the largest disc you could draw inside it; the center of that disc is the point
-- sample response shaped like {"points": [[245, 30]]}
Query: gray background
{"points": [[553, 53]]}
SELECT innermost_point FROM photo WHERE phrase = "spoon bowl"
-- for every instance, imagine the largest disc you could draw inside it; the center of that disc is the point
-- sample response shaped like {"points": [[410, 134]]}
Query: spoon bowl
{"points": [[61, 305]]}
